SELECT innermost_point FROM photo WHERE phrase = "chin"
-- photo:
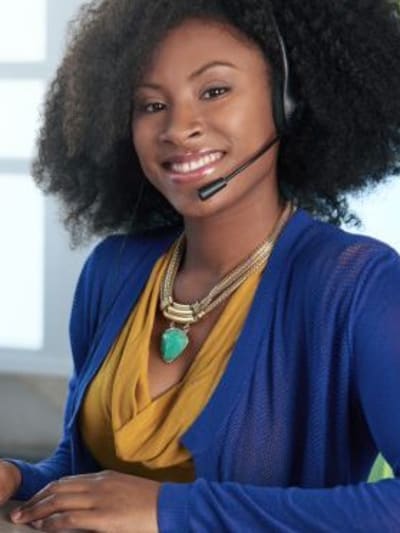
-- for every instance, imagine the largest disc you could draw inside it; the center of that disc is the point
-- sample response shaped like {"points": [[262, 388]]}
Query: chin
{"points": [[188, 204], [197, 209], [194, 210]]}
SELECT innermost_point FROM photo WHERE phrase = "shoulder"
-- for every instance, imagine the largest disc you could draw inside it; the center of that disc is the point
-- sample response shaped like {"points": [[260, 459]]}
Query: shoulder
{"points": [[113, 262], [331, 271], [126, 247], [119, 253], [118, 258], [329, 252]]}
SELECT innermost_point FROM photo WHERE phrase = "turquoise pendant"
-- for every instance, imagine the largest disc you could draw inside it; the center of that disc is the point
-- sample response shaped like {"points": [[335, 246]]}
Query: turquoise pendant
{"points": [[173, 343]]}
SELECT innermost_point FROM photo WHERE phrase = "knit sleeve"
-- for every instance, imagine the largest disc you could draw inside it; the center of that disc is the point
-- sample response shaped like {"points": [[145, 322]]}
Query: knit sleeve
{"points": [[374, 335], [82, 324]]}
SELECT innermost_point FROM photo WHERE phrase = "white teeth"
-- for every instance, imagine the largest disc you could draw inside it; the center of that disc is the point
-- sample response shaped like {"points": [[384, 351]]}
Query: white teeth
{"points": [[183, 168]]}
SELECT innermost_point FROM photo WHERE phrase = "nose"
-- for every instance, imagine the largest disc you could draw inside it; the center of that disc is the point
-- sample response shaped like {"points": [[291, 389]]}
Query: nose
{"points": [[182, 123]]}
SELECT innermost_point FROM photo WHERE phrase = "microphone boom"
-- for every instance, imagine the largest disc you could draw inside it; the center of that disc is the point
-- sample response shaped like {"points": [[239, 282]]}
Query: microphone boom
{"points": [[217, 185]]}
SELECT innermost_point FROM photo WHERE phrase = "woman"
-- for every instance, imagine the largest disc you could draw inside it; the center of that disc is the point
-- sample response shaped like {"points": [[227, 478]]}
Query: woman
{"points": [[237, 363]]}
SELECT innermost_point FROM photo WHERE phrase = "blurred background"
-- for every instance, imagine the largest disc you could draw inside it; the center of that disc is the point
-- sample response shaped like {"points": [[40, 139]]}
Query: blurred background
{"points": [[38, 270]]}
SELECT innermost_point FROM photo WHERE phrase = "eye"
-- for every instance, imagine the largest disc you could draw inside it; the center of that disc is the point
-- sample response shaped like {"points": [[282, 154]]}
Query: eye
{"points": [[150, 108], [215, 92]]}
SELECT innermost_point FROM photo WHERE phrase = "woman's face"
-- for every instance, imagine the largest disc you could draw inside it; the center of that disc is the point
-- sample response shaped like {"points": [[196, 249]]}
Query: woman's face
{"points": [[204, 107]]}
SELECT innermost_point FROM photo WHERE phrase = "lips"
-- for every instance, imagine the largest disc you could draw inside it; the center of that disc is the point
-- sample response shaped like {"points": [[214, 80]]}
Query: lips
{"points": [[192, 163], [194, 168]]}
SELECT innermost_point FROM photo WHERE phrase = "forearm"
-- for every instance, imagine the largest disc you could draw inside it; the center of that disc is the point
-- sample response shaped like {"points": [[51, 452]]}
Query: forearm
{"points": [[210, 506], [36, 476]]}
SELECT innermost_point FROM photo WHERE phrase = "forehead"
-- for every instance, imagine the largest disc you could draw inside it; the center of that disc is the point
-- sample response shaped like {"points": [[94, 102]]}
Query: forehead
{"points": [[197, 41]]}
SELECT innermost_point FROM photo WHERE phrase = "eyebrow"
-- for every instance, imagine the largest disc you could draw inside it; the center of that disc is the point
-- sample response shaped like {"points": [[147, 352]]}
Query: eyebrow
{"points": [[194, 74]]}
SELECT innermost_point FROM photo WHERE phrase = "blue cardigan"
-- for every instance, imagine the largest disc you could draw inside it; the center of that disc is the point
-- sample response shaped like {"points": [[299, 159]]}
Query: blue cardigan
{"points": [[310, 394]]}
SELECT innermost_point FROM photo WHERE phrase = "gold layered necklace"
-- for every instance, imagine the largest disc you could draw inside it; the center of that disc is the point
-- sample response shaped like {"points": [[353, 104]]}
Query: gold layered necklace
{"points": [[175, 338]]}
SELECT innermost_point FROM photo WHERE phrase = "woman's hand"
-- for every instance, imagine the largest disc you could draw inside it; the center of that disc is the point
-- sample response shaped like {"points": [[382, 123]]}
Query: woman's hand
{"points": [[10, 480], [106, 501]]}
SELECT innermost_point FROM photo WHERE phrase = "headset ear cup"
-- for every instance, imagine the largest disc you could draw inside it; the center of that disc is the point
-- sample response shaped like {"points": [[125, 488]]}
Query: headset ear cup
{"points": [[281, 122], [284, 105], [283, 97], [290, 104]]}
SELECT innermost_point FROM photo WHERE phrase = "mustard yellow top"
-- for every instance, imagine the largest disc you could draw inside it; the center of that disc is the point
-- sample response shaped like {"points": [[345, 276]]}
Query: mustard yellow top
{"points": [[127, 431]]}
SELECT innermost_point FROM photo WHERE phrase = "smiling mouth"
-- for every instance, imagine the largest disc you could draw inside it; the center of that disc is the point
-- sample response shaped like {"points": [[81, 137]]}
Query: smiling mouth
{"points": [[195, 165]]}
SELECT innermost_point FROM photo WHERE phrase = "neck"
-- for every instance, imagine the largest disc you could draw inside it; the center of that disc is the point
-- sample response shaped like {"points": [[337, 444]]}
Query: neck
{"points": [[215, 245]]}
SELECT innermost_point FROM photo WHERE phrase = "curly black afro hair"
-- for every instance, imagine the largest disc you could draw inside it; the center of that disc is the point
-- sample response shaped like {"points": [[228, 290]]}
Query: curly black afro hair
{"points": [[345, 62]]}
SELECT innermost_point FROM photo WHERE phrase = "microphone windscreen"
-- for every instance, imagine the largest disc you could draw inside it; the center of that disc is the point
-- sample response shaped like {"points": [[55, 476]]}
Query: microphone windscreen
{"points": [[209, 190]]}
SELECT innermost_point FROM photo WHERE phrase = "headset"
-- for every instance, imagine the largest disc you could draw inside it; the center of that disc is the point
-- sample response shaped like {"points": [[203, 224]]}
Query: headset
{"points": [[284, 106], [283, 95]]}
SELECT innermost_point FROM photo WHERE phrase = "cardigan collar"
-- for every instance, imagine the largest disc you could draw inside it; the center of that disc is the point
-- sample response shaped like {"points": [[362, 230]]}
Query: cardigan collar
{"points": [[250, 342]]}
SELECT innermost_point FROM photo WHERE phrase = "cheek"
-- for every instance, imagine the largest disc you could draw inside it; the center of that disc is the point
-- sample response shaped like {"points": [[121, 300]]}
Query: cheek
{"points": [[138, 138], [142, 146], [259, 115], [252, 120]]}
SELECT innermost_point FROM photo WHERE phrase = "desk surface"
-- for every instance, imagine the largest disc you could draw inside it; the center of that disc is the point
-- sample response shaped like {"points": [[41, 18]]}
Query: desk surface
{"points": [[6, 526]]}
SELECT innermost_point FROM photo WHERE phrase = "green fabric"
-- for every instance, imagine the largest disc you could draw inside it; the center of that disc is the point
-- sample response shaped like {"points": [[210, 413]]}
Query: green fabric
{"points": [[380, 470]]}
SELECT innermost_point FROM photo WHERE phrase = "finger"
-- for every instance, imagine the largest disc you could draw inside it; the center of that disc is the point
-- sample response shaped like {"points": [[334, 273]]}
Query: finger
{"points": [[88, 520], [95, 475], [78, 483], [62, 485], [54, 503]]}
